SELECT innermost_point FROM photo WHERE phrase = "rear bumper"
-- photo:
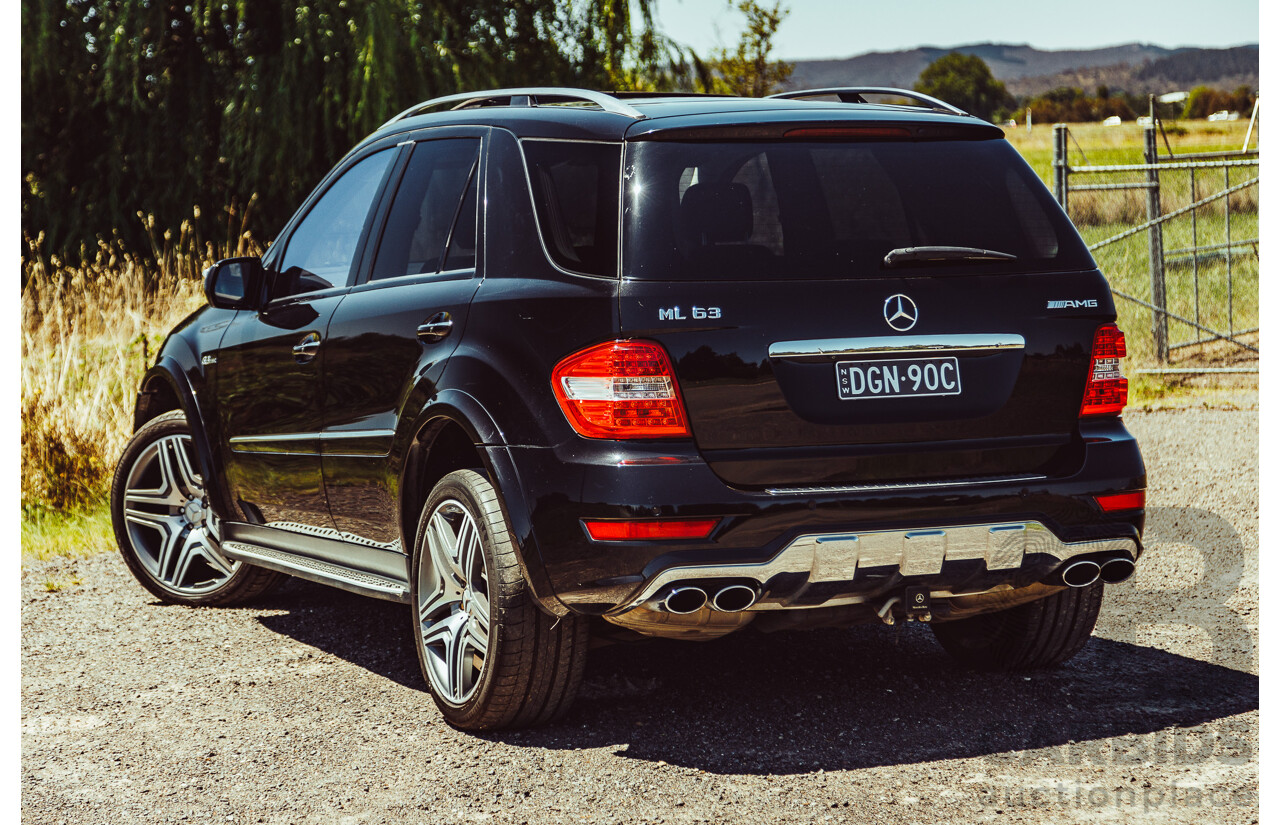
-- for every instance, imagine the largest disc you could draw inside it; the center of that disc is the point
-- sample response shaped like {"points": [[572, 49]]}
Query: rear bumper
{"points": [[832, 545], [830, 570]]}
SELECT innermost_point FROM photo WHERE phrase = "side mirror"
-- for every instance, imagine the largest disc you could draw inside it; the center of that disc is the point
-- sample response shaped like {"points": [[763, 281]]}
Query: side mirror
{"points": [[234, 283]]}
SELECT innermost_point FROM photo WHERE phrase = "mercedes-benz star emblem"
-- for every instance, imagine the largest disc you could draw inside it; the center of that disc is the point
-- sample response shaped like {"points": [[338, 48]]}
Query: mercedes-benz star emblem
{"points": [[900, 312]]}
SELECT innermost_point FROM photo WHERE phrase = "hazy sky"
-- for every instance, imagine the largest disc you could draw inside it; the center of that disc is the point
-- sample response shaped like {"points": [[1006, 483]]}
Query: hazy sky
{"points": [[842, 28]]}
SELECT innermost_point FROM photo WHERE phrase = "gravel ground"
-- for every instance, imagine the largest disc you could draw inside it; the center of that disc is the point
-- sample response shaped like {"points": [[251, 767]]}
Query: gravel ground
{"points": [[309, 706]]}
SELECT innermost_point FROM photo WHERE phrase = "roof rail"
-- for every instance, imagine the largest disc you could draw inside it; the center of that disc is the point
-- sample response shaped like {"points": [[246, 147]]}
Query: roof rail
{"points": [[854, 94], [521, 97]]}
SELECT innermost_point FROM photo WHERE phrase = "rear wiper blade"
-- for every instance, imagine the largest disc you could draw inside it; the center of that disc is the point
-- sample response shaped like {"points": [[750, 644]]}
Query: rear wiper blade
{"points": [[932, 254]]}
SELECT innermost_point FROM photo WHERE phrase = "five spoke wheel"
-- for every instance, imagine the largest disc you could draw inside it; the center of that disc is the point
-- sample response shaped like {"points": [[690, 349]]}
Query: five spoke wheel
{"points": [[453, 603], [169, 525]]}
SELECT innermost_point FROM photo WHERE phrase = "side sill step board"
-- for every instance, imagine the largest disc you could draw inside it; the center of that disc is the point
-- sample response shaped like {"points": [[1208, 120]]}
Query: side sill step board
{"points": [[323, 572]]}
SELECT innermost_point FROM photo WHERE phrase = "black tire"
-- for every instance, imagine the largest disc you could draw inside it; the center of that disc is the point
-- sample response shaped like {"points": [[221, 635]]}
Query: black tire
{"points": [[143, 533], [1039, 634], [532, 665]]}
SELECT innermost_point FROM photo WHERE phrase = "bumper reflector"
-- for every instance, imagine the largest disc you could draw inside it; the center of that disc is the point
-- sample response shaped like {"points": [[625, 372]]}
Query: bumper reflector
{"points": [[650, 530], [1135, 500]]}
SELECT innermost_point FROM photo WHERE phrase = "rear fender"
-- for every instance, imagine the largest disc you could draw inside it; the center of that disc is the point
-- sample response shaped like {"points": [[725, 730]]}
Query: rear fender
{"points": [[462, 409]]}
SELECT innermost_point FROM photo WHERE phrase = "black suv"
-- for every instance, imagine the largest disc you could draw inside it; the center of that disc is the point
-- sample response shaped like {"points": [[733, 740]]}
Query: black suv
{"points": [[549, 364]]}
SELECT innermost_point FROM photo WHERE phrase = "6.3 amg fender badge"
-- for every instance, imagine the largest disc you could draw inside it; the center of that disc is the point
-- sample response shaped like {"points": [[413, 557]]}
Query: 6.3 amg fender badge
{"points": [[900, 312]]}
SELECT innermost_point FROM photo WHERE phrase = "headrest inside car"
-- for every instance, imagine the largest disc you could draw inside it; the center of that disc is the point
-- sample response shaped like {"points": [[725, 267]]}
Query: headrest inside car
{"points": [[716, 213]]}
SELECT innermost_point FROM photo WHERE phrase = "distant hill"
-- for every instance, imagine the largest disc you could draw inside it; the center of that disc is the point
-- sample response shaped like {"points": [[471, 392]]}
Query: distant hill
{"points": [[1025, 70]]}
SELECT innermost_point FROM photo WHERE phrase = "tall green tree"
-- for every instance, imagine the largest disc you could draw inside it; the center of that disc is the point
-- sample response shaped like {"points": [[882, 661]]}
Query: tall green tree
{"points": [[966, 81], [159, 106], [750, 69]]}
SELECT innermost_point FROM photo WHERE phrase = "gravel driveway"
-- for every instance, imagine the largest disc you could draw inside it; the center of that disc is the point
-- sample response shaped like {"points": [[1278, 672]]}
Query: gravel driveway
{"points": [[309, 706]]}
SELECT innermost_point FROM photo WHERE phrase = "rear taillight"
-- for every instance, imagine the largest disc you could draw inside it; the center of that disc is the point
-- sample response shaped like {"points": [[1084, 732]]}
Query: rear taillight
{"points": [[1106, 391], [620, 389]]}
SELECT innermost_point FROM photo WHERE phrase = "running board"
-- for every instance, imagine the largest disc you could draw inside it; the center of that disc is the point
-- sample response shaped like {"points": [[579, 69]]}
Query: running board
{"points": [[323, 572]]}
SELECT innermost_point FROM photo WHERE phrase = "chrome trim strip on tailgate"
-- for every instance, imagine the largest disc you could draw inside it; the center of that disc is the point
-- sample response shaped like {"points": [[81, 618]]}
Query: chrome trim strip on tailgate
{"points": [[824, 348]]}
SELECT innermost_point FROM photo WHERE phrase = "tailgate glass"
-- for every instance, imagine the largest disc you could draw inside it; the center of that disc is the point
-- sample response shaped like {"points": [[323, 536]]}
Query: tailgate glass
{"points": [[805, 210]]}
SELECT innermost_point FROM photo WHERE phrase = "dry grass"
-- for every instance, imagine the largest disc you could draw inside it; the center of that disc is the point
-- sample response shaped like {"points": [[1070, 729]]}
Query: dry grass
{"points": [[89, 332]]}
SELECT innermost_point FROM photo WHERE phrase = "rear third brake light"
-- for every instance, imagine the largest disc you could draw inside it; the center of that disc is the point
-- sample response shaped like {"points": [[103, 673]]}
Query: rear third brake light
{"points": [[1106, 390], [846, 132], [620, 389]]}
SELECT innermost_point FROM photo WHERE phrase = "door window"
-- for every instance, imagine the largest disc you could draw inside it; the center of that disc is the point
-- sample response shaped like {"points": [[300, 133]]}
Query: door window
{"points": [[432, 222], [323, 247]]}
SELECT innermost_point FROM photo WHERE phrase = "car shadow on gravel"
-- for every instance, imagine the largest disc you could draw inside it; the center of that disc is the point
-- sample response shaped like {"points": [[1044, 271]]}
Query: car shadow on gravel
{"points": [[802, 701]]}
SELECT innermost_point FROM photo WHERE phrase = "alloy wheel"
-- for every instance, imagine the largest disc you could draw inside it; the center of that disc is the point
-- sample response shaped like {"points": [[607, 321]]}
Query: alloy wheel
{"points": [[453, 603], [170, 526]]}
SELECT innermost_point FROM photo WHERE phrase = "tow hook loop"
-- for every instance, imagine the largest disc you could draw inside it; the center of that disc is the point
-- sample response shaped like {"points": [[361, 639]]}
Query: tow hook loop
{"points": [[917, 603]]}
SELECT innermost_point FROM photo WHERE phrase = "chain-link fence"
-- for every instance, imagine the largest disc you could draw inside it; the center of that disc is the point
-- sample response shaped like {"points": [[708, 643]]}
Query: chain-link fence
{"points": [[1177, 236]]}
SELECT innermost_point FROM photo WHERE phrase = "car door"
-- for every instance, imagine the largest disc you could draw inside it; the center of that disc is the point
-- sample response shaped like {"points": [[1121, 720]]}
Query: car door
{"points": [[391, 335], [269, 391]]}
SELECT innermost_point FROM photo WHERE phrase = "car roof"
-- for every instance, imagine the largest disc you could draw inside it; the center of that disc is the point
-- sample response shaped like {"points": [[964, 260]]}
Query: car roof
{"points": [[570, 114]]}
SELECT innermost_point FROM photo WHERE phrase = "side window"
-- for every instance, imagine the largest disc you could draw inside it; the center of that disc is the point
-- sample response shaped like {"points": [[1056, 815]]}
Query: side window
{"points": [[575, 190], [322, 248], [429, 217]]}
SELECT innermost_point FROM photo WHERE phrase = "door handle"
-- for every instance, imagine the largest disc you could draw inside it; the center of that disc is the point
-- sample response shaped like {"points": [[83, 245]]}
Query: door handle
{"points": [[306, 349], [436, 328]]}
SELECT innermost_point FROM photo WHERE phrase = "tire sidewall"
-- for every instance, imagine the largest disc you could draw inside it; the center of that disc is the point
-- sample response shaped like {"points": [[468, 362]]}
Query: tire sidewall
{"points": [[462, 486]]}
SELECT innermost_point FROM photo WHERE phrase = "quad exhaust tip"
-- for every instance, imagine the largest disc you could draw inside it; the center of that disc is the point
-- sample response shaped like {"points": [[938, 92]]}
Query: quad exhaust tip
{"points": [[1117, 570], [685, 600], [734, 598], [1081, 573]]}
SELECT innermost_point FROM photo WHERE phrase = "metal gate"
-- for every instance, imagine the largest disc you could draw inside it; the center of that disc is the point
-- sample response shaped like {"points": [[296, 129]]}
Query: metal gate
{"points": [[1213, 297]]}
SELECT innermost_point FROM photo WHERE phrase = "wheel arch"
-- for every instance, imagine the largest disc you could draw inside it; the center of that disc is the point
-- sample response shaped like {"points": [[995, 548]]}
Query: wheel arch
{"points": [[455, 432], [165, 388]]}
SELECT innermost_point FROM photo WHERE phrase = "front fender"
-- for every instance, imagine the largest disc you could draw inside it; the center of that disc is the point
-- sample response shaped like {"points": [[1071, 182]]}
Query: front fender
{"points": [[165, 387]]}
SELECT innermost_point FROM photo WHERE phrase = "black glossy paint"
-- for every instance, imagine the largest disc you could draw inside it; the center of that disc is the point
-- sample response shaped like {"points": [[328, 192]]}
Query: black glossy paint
{"points": [[377, 394], [263, 390]]}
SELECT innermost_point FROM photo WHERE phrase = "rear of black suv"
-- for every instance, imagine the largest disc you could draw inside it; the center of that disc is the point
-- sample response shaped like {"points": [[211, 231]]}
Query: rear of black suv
{"points": [[554, 366], [864, 370]]}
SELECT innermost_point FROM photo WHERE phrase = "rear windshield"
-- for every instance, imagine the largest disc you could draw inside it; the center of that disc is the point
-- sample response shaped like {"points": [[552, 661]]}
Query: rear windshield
{"points": [[833, 210]]}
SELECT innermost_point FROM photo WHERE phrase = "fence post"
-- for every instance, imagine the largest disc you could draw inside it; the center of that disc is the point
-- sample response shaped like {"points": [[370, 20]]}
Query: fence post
{"points": [[1060, 164], [1155, 247]]}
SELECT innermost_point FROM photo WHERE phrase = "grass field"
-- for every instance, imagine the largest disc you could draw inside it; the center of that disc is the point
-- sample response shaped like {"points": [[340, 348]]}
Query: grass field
{"points": [[1203, 292], [89, 330], [1098, 145]]}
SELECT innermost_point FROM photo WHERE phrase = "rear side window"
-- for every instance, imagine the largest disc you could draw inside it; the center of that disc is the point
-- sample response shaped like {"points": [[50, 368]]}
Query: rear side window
{"points": [[833, 210], [575, 192], [432, 222]]}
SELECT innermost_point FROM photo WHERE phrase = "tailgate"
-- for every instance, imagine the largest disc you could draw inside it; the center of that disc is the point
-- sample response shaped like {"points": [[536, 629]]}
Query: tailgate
{"points": [[809, 383]]}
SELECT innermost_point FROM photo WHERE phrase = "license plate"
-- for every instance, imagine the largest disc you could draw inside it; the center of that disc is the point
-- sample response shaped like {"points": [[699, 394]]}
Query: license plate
{"points": [[897, 378]]}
